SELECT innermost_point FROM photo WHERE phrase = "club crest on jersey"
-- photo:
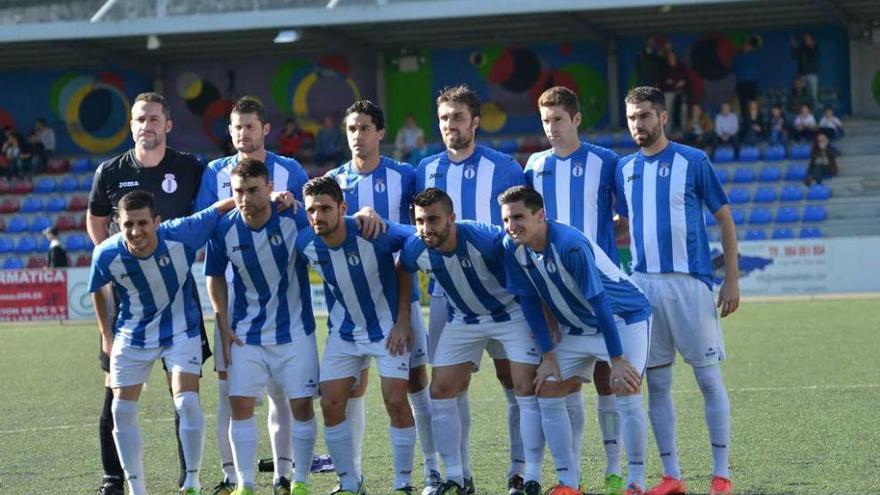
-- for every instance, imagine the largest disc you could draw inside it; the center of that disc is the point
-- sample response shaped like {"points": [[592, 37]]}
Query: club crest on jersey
{"points": [[169, 185], [577, 170], [663, 171], [466, 263], [275, 239], [470, 172], [164, 260], [551, 266], [353, 259], [379, 186]]}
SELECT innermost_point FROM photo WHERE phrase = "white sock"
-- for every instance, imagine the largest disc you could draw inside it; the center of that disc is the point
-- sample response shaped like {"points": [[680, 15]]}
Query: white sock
{"points": [[403, 447], [339, 445], [574, 404], [635, 437], [227, 464], [661, 411], [557, 431], [445, 418], [464, 416], [304, 435], [517, 455], [129, 444], [532, 437], [609, 424], [717, 408], [420, 402], [356, 415], [279, 424], [192, 435], [244, 436]]}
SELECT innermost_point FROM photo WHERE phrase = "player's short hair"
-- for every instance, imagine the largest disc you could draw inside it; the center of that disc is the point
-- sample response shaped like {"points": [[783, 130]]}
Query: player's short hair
{"points": [[369, 108], [154, 97], [530, 197], [137, 200], [250, 104], [642, 94], [324, 185], [461, 94], [250, 168], [431, 196], [560, 96]]}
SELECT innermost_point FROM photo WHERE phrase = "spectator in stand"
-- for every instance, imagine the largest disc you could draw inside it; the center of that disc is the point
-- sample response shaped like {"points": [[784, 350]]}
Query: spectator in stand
{"points": [[651, 63], [748, 73], [407, 138], [674, 86], [805, 125], [727, 127], [294, 141], [806, 54], [699, 131], [830, 125], [45, 135], [328, 146], [17, 154], [419, 152], [823, 161], [754, 128], [57, 257], [37, 152], [777, 127], [799, 95]]}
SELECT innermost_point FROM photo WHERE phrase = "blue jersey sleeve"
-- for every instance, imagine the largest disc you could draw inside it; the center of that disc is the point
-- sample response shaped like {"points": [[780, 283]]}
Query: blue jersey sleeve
{"points": [[580, 262], [99, 276], [513, 174], [517, 282], [207, 194], [620, 205], [529, 171], [392, 240], [534, 314], [297, 180], [708, 186], [195, 230], [215, 257], [409, 254]]}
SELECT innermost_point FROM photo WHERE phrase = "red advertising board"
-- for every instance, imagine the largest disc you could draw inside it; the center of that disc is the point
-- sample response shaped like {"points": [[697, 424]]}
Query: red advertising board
{"points": [[33, 295]]}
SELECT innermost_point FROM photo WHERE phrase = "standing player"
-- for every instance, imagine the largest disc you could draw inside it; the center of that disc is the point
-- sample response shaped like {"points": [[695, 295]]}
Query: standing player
{"points": [[466, 260], [369, 305], [473, 176], [248, 127], [173, 178], [588, 295], [149, 267], [271, 320], [666, 186], [576, 180], [387, 186]]}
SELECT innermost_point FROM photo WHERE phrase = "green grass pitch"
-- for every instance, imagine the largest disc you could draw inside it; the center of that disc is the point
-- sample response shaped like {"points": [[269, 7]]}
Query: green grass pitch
{"points": [[803, 376]]}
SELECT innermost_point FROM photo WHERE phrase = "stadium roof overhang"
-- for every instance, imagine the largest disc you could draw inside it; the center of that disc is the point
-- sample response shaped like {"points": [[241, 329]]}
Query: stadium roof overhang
{"points": [[199, 32]]}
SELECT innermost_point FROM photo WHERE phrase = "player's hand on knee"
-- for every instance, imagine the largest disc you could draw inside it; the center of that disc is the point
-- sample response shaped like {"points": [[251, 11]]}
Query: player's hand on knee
{"points": [[625, 378], [728, 297], [399, 339], [228, 337], [370, 223], [547, 371]]}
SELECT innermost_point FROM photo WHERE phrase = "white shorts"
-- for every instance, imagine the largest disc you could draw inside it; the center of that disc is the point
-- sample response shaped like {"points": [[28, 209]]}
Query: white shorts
{"points": [[294, 366], [462, 343], [132, 365], [577, 354], [439, 315], [345, 359], [684, 319]]}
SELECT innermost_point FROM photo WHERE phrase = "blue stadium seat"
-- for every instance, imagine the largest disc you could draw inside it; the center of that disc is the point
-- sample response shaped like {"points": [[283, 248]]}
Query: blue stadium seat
{"points": [[605, 140], [55, 203], [796, 172], [738, 195], [739, 216], [40, 223], [723, 154], [749, 154], [755, 235], [44, 185], [16, 224], [80, 165], [710, 219], [811, 233], [760, 216], [818, 192], [770, 173], [7, 245], [815, 213], [744, 175], [31, 204], [13, 264], [78, 242], [26, 244], [787, 214], [792, 193], [625, 140], [799, 151], [774, 153], [723, 175], [765, 194], [508, 146], [85, 183], [783, 233], [68, 184]]}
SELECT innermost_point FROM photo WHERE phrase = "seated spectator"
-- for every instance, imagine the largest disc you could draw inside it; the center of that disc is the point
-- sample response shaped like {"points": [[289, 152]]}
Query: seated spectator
{"points": [[805, 125], [830, 125], [777, 127], [799, 96], [727, 127], [295, 141], [823, 160], [699, 130], [39, 156], [328, 145], [420, 152], [754, 126], [46, 136], [17, 155], [406, 138]]}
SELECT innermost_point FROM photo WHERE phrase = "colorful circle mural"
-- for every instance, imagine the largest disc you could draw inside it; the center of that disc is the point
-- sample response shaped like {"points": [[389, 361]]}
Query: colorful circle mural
{"points": [[94, 109], [203, 99]]}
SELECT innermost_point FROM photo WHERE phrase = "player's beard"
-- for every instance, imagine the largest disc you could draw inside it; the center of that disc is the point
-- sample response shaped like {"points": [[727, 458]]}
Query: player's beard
{"points": [[151, 143], [437, 237], [461, 140], [328, 228], [249, 147], [650, 137]]}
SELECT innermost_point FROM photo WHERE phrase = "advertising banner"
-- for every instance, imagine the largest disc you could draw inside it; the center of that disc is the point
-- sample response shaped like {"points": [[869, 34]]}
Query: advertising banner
{"points": [[33, 295]]}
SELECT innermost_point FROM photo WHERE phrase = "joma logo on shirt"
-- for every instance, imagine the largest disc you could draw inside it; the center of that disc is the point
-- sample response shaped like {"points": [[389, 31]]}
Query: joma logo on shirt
{"points": [[543, 173], [633, 177], [129, 183], [436, 175], [240, 247]]}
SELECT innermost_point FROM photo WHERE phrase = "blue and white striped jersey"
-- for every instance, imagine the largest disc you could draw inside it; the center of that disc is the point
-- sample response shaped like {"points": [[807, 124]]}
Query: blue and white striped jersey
{"points": [[472, 276], [360, 282], [665, 194], [571, 270], [285, 173], [389, 189], [271, 300], [473, 184], [156, 304], [578, 190]]}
